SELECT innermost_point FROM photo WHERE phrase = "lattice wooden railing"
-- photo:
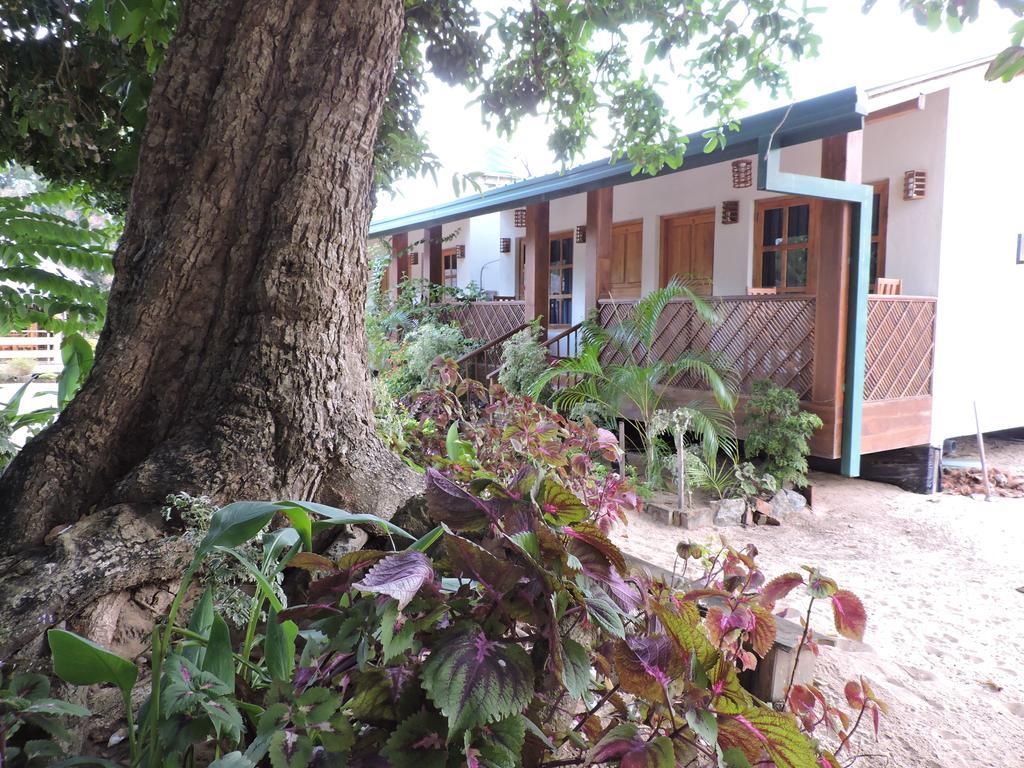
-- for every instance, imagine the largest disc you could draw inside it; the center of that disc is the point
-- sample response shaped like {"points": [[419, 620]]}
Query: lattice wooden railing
{"points": [[487, 320], [765, 337], [900, 347]]}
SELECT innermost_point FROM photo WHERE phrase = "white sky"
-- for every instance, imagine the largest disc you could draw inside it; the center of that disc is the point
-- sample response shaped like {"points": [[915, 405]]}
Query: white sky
{"points": [[863, 50]]}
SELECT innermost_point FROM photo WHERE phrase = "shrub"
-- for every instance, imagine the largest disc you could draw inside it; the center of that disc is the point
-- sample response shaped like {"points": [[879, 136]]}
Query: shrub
{"points": [[778, 431], [412, 364], [523, 360], [431, 341]]}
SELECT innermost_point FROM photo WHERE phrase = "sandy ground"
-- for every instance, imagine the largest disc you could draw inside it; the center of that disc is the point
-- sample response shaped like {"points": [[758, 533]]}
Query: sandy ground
{"points": [[938, 576]]}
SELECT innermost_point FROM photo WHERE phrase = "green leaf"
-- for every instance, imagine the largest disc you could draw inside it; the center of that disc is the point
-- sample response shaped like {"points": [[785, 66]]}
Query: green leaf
{"points": [[279, 647], [82, 662], [418, 742], [560, 505], [704, 724], [776, 732], [302, 523], [502, 743], [290, 750], [330, 516], [427, 540], [200, 622], [237, 523], [459, 451], [576, 668], [55, 707], [392, 644], [233, 760], [603, 612], [734, 758], [219, 660], [226, 719], [475, 681], [77, 356]]}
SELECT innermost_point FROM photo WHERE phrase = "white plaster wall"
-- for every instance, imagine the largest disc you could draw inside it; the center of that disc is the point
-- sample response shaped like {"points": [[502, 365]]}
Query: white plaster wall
{"points": [[980, 355], [649, 200], [697, 189], [913, 141]]}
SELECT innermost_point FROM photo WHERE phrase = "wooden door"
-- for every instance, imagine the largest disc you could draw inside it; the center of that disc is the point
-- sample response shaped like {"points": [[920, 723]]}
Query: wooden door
{"points": [[627, 259], [688, 249]]}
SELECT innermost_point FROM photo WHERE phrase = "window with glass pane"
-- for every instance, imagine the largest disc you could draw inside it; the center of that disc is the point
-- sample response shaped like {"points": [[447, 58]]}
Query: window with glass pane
{"points": [[796, 268], [450, 256], [879, 224], [784, 249], [560, 284]]}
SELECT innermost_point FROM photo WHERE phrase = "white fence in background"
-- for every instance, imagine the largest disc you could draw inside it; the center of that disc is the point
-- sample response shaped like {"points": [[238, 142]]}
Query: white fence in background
{"points": [[44, 350]]}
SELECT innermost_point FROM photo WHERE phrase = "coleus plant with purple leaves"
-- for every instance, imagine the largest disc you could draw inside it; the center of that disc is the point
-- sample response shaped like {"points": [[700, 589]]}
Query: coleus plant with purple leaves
{"points": [[515, 635], [472, 432]]}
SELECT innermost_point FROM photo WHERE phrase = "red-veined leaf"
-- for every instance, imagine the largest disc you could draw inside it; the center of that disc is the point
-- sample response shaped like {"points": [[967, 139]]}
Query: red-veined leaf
{"points": [[474, 562], [851, 618], [779, 587], [475, 681]]}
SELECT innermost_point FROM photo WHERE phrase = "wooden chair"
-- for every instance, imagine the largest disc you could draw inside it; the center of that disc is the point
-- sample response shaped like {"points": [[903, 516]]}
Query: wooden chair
{"points": [[889, 286], [771, 291]]}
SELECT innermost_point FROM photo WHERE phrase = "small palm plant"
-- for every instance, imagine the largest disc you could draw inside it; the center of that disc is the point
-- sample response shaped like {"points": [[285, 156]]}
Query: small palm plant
{"points": [[618, 370]]}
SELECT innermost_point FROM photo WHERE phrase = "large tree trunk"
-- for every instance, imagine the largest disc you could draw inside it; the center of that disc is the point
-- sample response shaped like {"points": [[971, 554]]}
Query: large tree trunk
{"points": [[233, 363]]}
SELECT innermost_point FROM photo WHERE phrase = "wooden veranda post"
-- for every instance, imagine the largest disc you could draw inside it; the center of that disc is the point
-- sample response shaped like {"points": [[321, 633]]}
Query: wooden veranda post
{"points": [[538, 263], [598, 255], [841, 159], [400, 258], [432, 255]]}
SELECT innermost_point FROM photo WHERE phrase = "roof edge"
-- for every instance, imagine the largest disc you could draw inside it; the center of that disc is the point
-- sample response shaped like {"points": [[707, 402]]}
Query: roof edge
{"points": [[833, 113]]}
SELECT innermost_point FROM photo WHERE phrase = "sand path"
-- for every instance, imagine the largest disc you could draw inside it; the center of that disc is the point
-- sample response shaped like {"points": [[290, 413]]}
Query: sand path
{"points": [[938, 575]]}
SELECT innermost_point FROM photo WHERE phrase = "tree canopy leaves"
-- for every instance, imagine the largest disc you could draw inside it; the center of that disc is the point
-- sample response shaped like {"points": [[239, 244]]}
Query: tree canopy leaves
{"points": [[75, 76]]}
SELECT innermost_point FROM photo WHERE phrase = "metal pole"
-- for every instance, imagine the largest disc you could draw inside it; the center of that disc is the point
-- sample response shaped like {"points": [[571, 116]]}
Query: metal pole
{"points": [[981, 453]]}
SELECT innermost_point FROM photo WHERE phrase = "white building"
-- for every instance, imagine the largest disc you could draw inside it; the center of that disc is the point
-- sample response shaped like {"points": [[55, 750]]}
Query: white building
{"points": [[942, 170]]}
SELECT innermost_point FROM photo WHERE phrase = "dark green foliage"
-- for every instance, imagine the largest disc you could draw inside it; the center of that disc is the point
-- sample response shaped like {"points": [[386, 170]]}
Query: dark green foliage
{"points": [[32, 725], [778, 431]]}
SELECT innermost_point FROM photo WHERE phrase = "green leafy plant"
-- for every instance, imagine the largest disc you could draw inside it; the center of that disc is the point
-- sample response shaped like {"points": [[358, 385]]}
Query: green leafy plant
{"points": [[12, 420], [523, 360], [511, 634], [618, 370], [194, 699], [55, 261], [32, 731], [778, 432], [715, 476]]}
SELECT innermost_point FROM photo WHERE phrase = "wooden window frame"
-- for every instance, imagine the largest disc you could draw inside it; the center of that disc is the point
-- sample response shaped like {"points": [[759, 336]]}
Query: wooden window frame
{"points": [[520, 246], [882, 190], [811, 246], [569, 235], [450, 267]]}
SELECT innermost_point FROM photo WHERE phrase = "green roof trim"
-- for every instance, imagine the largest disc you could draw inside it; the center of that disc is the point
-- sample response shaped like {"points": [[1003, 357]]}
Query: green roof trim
{"points": [[803, 121]]}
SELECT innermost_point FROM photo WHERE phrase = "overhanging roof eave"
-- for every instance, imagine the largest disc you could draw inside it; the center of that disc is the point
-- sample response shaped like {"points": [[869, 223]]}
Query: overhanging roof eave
{"points": [[835, 113]]}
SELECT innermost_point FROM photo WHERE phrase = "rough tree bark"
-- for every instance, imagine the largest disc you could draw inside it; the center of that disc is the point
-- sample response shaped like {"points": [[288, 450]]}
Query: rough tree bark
{"points": [[233, 359]]}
